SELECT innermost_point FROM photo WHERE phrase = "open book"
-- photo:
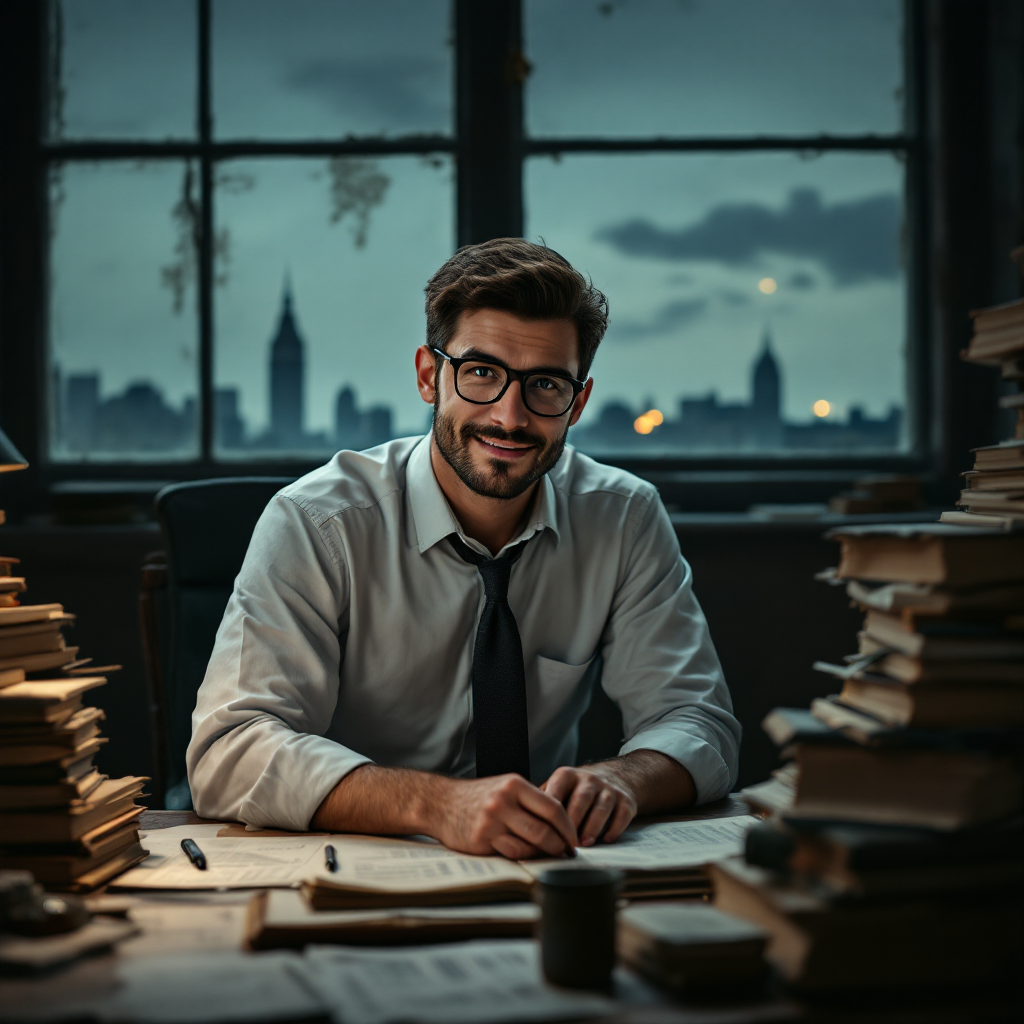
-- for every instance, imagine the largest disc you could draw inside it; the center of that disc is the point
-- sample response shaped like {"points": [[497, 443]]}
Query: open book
{"points": [[660, 859]]}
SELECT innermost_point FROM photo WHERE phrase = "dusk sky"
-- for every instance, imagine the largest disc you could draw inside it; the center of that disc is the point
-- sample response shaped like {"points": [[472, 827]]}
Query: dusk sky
{"points": [[679, 242]]}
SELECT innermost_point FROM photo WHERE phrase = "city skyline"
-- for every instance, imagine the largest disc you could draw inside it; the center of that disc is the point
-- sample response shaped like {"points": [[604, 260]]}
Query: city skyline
{"points": [[142, 420]]}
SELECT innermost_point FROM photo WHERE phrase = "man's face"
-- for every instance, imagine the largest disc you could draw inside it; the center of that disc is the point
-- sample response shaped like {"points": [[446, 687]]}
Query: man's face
{"points": [[500, 450]]}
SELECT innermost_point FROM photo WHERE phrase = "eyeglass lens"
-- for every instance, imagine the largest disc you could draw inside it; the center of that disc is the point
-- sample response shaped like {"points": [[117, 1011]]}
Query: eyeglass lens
{"points": [[482, 382]]}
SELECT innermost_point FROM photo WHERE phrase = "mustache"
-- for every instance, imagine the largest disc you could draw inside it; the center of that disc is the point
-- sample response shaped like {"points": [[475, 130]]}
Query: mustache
{"points": [[497, 434]]}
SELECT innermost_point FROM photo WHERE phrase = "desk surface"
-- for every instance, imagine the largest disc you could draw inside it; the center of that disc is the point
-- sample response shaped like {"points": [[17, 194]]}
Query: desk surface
{"points": [[196, 922], [200, 922]]}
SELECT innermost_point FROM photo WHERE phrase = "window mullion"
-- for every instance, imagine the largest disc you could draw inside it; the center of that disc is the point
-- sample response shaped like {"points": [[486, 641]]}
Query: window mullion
{"points": [[204, 283], [490, 70]]}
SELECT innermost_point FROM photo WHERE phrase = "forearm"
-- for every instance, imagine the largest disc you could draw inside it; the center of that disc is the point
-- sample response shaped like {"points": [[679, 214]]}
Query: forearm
{"points": [[658, 782], [383, 801]]}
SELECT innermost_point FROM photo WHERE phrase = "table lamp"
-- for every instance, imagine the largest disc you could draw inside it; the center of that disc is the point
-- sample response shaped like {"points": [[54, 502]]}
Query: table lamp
{"points": [[10, 457]]}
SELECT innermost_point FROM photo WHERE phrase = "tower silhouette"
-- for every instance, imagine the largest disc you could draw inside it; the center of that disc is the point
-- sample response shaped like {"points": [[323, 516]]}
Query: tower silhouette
{"points": [[287, 366], [767, 384]]}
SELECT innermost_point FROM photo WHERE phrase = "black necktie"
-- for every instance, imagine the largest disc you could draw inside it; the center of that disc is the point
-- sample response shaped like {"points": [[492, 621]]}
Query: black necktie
{"points": [[499, 678]]}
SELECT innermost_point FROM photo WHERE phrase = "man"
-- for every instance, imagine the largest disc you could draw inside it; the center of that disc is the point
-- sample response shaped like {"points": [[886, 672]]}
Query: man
{"points": [[407, 645]]}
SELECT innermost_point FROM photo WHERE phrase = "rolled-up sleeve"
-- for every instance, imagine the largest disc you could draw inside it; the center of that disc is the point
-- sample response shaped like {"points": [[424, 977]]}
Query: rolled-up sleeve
{"points": [[258, 753], [660, 665]]}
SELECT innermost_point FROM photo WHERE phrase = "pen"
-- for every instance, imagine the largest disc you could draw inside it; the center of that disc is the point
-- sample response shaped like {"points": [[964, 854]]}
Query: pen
{"points": [[332, 858], [194, 854]]}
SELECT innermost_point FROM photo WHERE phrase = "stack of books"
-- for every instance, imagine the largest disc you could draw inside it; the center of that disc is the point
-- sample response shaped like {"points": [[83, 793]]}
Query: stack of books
{"points": [[891, 854], [60, 818], [995, 486]]}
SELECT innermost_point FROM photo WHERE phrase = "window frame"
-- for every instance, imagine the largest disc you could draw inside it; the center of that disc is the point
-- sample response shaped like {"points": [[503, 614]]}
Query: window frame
{"points": [[490, 148]]}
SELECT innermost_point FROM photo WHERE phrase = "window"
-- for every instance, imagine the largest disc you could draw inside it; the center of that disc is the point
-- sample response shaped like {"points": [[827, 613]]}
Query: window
{"points": [[733, 174], [246, 198]]}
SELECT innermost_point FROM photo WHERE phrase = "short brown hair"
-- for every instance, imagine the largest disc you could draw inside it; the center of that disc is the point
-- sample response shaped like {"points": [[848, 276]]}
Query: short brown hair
{"points": [[515, 276]]}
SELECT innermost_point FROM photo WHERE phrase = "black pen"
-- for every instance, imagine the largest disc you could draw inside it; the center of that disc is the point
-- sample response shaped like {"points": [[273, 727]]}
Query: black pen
{"points": [[194, 854], [330, 854]]}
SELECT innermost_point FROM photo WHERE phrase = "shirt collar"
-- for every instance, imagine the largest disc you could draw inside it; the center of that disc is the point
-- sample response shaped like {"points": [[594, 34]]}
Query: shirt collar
{"points": [[433, 517]]}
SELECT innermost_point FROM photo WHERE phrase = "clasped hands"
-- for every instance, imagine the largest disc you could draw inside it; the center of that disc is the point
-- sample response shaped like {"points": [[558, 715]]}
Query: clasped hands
{"points": [[506, 814]]}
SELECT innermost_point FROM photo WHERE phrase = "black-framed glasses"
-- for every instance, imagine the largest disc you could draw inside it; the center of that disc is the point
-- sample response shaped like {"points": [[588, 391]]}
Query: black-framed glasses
{"points": [[483, 382]]}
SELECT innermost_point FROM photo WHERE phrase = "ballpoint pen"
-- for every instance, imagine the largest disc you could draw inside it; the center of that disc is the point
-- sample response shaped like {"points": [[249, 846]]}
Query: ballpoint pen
{"points": [[194, 854], [331, 856]]}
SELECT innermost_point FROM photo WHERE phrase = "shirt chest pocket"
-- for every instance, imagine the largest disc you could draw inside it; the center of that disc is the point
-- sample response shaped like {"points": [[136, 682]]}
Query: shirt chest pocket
{"points": [[558, 692]]}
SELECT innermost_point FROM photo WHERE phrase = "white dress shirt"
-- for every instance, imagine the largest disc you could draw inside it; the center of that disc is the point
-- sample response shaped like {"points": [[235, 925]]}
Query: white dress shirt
{"points": [[349, 636]]}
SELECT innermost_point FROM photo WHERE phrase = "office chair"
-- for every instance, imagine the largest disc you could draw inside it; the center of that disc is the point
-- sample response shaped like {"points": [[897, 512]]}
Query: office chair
{"points": [[207, 526]]}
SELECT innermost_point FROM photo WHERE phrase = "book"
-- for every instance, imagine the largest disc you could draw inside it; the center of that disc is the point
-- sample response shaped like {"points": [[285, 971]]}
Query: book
{"points": [[1005, 455], [112, 798], [33, 643], [33, 763], [30, 613], [12, 584], [53, 869], [931, 788], [937, 706], [981, 519], [44, 700], [65, 735], [690, 947], [995, 480], [851, 861], [929, 553], [944, 641], [914, 670], [818, 945], [40, 662], [923, 600], [283, 919], [56, 794]]}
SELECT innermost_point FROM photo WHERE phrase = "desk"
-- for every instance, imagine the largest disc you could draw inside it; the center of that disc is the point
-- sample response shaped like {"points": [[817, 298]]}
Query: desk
{"points": [[180, 922], [197, 922]]}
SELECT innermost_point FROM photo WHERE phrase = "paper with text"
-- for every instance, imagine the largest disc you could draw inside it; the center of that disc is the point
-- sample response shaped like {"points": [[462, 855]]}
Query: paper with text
{"points": [[466, 983], [395, 865], [664, 845], [230, 864]]}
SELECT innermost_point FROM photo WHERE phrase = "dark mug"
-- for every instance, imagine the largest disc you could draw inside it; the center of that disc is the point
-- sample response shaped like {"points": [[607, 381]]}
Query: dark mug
{"points": [[577, 925]]}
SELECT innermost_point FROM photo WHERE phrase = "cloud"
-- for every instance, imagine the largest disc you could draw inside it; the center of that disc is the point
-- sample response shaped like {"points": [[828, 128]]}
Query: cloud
{"points": [[403, 97], [733, 297], [802, 281], [665, 320], [854, 241]]}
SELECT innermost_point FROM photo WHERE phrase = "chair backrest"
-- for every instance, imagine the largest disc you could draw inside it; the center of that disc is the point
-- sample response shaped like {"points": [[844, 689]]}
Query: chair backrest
{"points": [[207, 527]]}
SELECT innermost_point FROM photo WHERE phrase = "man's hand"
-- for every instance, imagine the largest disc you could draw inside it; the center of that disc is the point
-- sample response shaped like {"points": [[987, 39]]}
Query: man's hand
{"points": [[596, 803], [605, 797], [504, 814]]}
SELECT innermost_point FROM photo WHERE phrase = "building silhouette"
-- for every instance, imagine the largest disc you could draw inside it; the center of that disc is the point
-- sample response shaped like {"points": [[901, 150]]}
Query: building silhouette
{"points": [[287, 381], [706, 424]]}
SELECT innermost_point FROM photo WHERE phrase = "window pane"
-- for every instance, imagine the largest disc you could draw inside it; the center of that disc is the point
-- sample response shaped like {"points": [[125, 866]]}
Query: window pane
{"points": [[330, 68], [713, 67], [122, 311], [123, 69], [319, 304], [702, 258]]}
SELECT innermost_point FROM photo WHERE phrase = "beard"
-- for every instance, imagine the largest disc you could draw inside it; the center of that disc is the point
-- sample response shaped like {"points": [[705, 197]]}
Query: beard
{"points": [[501, 482]]}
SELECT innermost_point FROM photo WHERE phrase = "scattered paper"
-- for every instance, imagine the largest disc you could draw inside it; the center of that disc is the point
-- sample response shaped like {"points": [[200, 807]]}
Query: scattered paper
{"points": [[671, 844], [230, 864], [397, 865], [462, 983], [192, 988]]}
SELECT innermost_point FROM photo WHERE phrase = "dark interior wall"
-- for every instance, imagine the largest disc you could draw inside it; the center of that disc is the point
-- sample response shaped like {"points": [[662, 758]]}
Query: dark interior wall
{"points": [[768, 617]]}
